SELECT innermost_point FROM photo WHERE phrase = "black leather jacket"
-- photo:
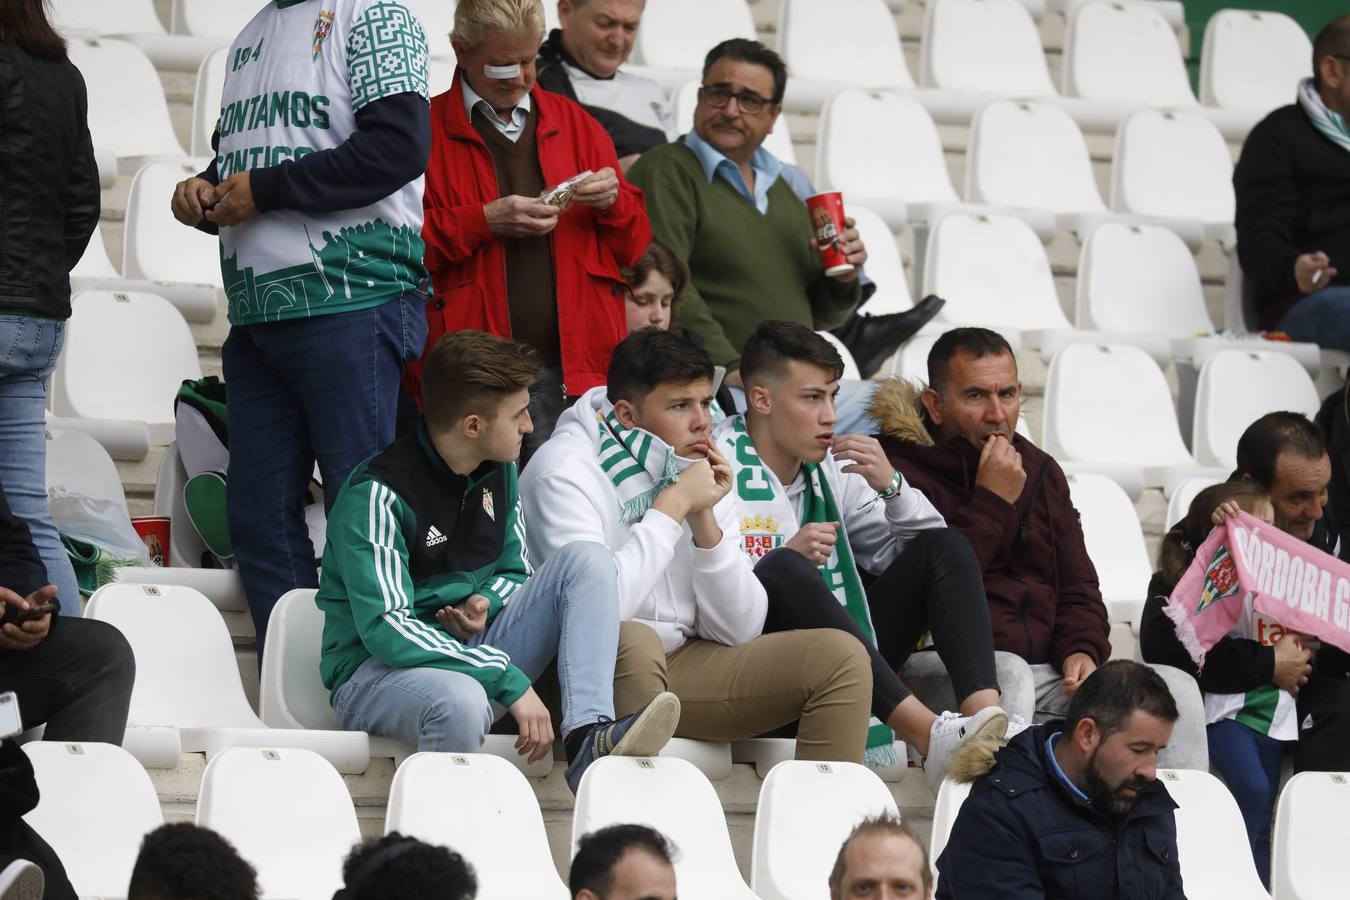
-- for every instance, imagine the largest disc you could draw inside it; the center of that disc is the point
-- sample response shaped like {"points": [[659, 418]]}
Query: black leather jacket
{"points": [[49, 191]]}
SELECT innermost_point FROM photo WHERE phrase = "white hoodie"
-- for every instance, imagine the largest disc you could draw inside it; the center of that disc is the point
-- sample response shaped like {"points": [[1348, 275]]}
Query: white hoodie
{"points": [[666, 582]]}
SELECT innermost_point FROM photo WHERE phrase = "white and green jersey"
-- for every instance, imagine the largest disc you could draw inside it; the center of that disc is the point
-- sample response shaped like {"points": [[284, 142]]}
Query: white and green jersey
{"points": [[296, 77], [1265, 709]]}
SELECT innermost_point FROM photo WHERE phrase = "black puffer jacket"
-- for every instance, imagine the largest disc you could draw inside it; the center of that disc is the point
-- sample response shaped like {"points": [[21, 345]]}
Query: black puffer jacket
{"points": [[49, 193]]}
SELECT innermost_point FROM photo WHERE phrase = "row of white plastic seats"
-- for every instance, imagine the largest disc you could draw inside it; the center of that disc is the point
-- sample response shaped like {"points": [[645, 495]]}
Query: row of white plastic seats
{"points": [[1312, 825], [1117, 56], [189, 697], [289, 814], [1173, 168]]}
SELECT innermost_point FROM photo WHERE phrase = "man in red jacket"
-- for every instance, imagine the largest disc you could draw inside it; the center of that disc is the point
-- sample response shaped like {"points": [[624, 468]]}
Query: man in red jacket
{"points": [[502, 260], [956, 443]]}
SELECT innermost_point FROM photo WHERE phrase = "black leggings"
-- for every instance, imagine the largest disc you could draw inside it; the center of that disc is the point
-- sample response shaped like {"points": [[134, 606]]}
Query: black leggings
{"points": [[927, 587]]}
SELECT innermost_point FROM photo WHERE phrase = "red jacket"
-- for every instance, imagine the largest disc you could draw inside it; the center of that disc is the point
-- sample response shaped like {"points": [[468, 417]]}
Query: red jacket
{"points": [[467, 262]]}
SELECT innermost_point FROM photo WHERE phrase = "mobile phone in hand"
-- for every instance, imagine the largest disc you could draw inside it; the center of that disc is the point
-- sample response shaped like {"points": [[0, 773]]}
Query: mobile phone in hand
{"points": [[11, 723], [13, 614]]}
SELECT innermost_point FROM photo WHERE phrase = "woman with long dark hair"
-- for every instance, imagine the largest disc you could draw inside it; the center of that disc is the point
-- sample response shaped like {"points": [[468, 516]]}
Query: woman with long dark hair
{"points": [[50, 209]]}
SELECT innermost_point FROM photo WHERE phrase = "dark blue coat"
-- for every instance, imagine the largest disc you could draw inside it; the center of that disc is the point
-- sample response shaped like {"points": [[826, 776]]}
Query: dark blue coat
{"points": [[1022, 834]]}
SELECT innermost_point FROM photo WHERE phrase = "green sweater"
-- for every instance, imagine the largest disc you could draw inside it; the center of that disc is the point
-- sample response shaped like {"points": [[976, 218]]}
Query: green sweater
{"points": [[744, 266], [406, 537]]}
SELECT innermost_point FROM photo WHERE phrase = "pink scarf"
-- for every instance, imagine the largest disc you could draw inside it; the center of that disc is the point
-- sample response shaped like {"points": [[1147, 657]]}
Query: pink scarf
{"points": [[1297, 585]]}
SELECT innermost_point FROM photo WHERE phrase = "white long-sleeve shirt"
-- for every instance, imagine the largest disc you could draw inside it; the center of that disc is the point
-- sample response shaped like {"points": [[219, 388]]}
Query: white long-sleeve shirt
{"points": [[682, 591]]}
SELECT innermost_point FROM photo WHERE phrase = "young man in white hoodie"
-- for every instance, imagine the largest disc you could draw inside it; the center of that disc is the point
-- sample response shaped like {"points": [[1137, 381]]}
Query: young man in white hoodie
{"points": [[832, 526], [633, 465]]}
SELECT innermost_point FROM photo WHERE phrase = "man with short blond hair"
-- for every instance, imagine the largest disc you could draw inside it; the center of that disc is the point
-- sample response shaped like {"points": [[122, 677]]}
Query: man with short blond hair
{"points": [[881, 859], [502, 260]]}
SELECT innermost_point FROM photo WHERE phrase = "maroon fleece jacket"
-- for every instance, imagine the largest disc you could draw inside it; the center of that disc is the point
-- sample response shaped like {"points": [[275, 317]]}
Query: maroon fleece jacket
{"points": [[1044, 603]]}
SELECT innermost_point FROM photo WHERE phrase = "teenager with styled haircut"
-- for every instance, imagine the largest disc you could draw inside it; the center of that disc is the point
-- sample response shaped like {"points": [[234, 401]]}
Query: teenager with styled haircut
{"points": [[435, 621], [865, 552], [633, 466]]}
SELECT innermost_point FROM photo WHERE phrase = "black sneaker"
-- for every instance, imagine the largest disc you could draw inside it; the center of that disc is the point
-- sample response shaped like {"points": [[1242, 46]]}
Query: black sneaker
{"points": [[643, 733]]}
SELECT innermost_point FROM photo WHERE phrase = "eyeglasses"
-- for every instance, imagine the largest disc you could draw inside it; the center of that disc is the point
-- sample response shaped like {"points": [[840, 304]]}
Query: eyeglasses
{"points": [[718, 96]]}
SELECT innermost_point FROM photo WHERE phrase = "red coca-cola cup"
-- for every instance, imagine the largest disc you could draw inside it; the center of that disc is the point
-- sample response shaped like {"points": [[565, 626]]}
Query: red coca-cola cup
{"points": [[827, 220], [154, 530]]}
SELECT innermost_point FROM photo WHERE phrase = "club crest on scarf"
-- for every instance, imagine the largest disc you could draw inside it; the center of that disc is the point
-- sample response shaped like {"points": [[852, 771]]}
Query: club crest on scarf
{"points": [[1221, 580]]}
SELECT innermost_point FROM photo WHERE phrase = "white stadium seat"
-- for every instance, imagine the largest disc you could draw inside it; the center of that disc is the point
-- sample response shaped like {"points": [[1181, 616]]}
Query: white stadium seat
{"points": [[78, 464], [832, 46], [984, 46], [672, 796], [1115, 543], [1174, 165], [805, 811], [96, 805], [897, 169], [128, 114], [124, 359], [134, 21], [1124, 53], [1030, 155], [1142, 279], [1252, 60], [1211, 841], [1312, 829], [207, 18], [949, 799], [778, 142], [206, 101], [1179, 503], [291, 694], [485, 809], [1171, 10], [885, 266], [287, 812], [157, 247], [1109, 409], [1236, 388], [188, 695], [993, 271], [677, 34], [95, 272]]}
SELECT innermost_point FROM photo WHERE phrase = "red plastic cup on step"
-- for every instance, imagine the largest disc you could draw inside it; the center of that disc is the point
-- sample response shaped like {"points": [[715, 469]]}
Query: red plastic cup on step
{"points": [[154, 530], [827, 221]]}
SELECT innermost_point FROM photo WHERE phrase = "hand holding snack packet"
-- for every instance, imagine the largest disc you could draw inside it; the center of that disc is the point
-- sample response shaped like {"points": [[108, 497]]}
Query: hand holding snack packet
{"points": [[561, 195], [599, 191]]}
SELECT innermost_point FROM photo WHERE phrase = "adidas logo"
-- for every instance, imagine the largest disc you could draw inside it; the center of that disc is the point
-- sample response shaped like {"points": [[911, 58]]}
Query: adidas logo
{"points": [[435, 537]]}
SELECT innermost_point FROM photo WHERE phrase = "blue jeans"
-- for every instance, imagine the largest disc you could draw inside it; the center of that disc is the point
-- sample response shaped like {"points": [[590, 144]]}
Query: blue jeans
{"points": [[1322, 317], [321, 389], [29, 346], [569, 608], [1250, 765]]}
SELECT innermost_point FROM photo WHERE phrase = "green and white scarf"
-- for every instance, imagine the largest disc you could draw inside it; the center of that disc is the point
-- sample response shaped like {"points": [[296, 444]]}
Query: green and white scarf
{"points": [[639, 464], [1330, 123], [767, 523]]}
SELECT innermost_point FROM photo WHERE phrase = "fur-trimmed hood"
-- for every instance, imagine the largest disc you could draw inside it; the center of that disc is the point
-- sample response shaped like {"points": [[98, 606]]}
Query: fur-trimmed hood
{"points": [[898, 411]]}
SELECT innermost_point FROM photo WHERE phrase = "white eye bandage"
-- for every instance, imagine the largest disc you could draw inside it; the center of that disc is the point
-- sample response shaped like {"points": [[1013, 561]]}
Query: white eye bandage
{"points": [[501, 73]]}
